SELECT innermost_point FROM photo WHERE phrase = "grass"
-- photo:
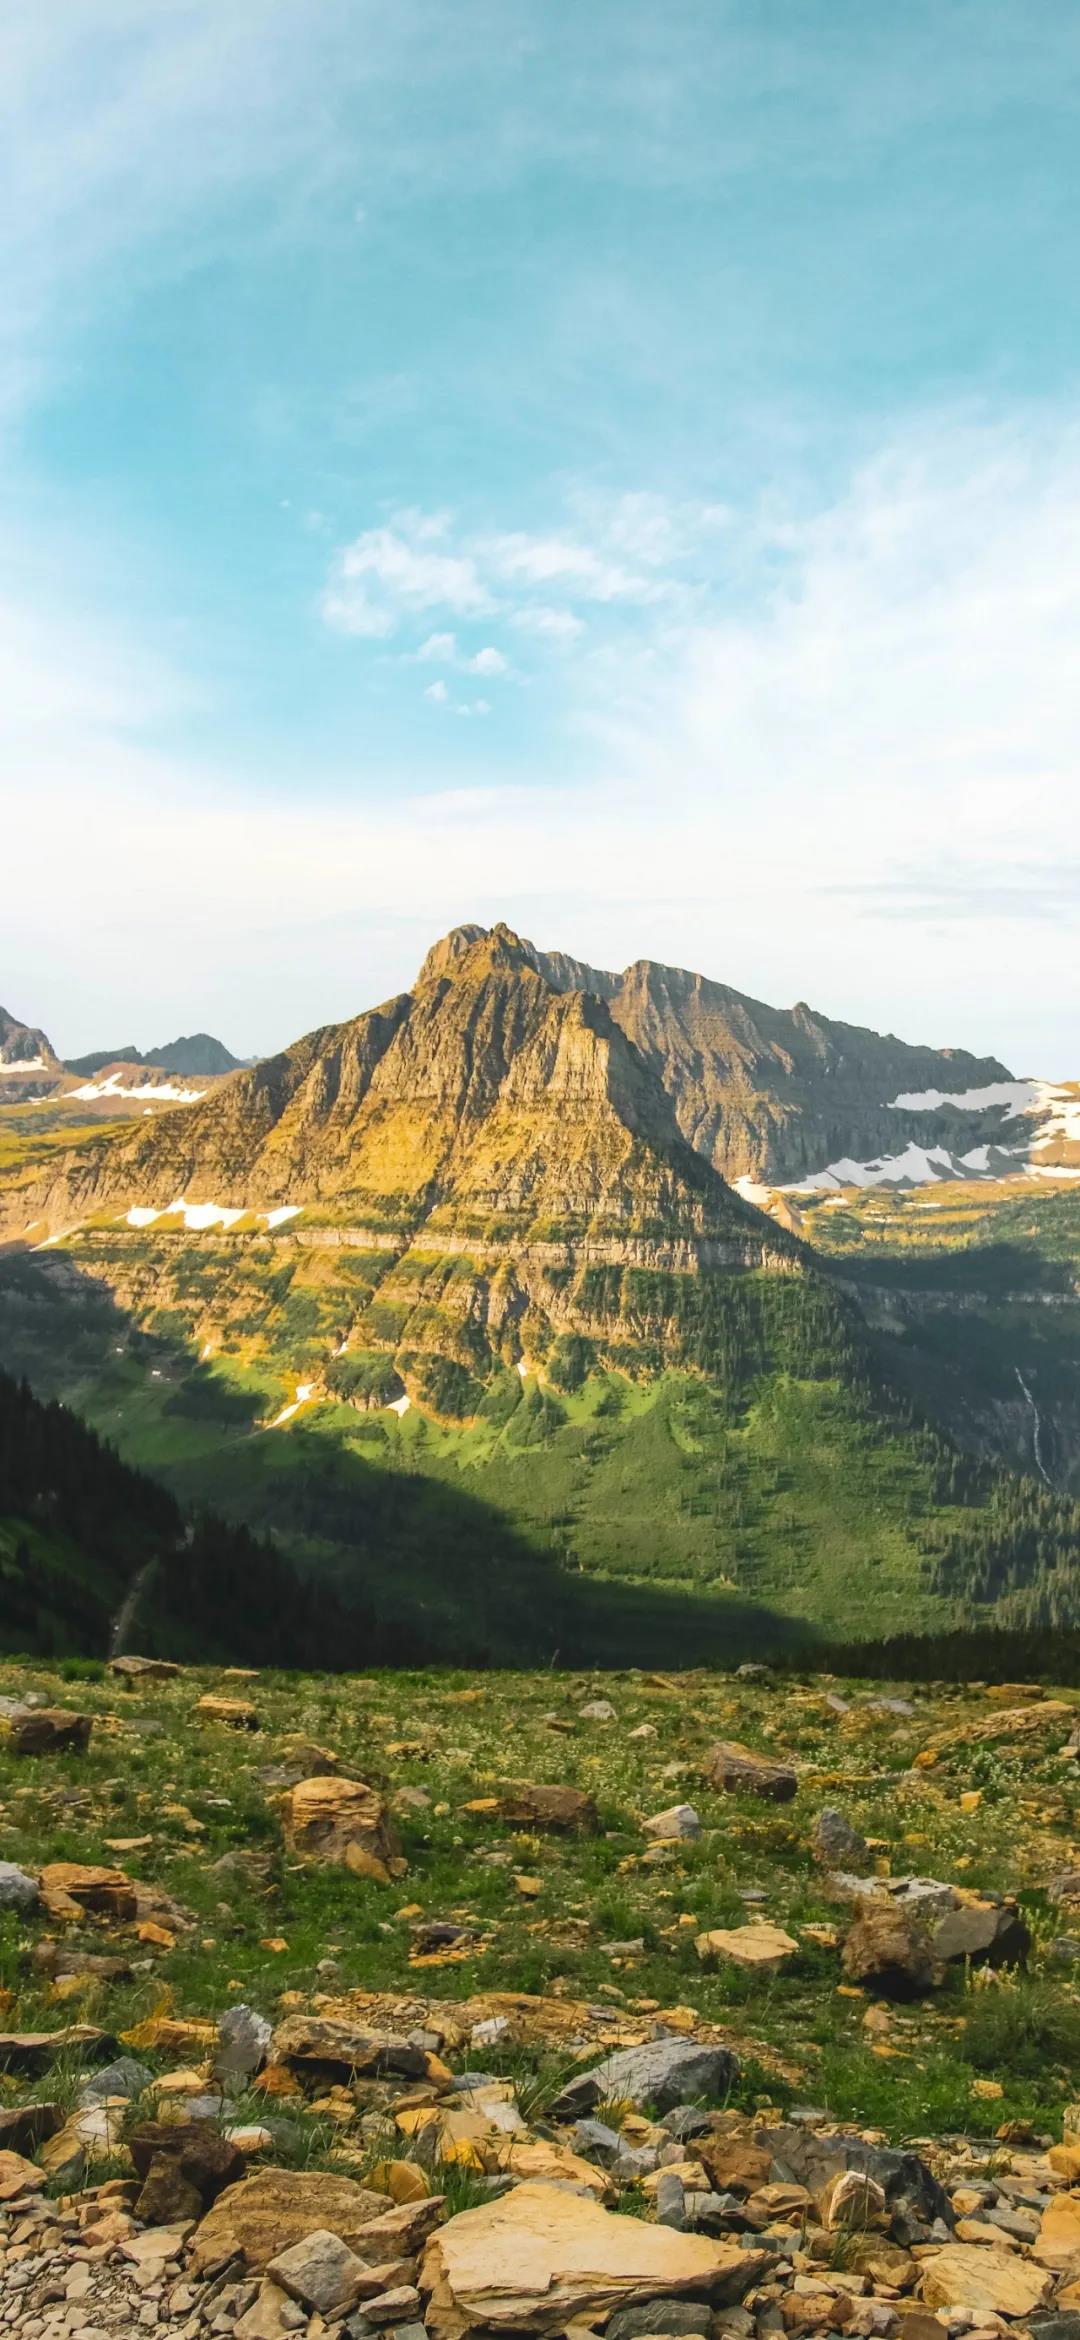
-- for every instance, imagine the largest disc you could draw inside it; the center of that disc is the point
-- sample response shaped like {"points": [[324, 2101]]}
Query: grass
{"points": [[199, 1793]]}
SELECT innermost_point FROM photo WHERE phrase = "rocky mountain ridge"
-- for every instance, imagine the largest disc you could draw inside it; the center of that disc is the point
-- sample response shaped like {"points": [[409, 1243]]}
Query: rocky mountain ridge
{"points": [[767, 1094]]}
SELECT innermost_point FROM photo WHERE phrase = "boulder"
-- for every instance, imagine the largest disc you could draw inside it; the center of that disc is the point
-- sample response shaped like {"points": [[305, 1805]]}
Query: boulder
{"points": [[18, 2176], [888, 1951], [984, 2281], [554, 1811], [237, 1714], [1057, 2243], [23, 2127], [73, 1891], [835, 1843], [184, 2166], [243, 2044], [736, 1770], [680, 1820], [17, 1890], [326, 2047], [142, 1669], [273, 2209], [343, 1823], [663, 2072], [758, 1948], [34, 2051], [124, 2077], [812, 2156], [47, 1730], [539, 2258], [985, 1927]]}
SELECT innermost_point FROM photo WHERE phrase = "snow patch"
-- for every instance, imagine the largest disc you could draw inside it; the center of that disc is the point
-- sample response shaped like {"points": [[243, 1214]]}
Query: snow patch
{"points": [[1016, 1096], [753, 1192], [916, 1166], [398, 1406], [167, 1092], [23, 1064], [197, 1217], [304, 1392], [523, 1369]]}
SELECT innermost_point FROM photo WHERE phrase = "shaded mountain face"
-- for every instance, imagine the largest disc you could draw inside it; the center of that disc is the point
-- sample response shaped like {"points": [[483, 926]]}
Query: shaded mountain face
{"points": [[198, 1054], [489, 1106], [763, 1093], [23, 1048]]}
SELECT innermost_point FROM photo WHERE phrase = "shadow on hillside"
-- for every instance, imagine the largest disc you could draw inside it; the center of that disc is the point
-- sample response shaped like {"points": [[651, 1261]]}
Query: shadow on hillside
{"points": [[411, 1570]]}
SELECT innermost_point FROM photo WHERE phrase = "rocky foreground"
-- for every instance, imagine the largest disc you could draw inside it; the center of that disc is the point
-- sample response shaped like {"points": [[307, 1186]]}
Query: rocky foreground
{"points": [[223, 2131]]}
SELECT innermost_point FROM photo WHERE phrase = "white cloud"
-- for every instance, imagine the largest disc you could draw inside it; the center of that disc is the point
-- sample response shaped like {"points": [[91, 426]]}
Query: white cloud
{"points": [[552, 560], [389, 573], [488, 661], [438, 646], [438, 692], [553, 625]]}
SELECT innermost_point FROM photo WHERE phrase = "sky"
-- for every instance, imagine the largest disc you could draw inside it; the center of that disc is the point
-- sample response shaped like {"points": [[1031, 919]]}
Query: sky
{"points": [[614, 469]]}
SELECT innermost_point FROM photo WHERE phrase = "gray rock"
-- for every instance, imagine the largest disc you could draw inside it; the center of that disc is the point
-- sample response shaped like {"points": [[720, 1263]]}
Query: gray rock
{"points": [[595, 2139], [810, 2158], [835, 1843], [243, 2044], [664, 2072], [671, 2200], [597, 1710], [17, 1890], [672, 2316], [634, 2162], [1064, 1950], [1064, 2326], [685, 2121], [679, 1821], [321, 2272], [125, 2077], [749, 1672]]}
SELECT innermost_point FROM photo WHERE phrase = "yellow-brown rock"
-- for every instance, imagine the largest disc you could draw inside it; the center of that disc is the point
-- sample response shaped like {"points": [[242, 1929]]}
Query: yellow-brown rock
{"points": [[983, 2280], [539, 2258], [759, 1948], [47, 1730], [237, 1714], [72, 1891], [275, 2208], [342, 1822], [1058, 2241]]}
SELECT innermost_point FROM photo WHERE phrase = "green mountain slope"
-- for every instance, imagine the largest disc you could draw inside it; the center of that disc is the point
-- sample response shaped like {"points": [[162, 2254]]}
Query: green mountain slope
{"points": [[443, 1299]]}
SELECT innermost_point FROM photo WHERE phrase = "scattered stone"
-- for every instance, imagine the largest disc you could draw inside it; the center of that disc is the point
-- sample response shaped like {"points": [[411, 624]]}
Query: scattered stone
{"points": [[342, 1822], [35, 2051], [888, 1951], [17, 1890], [46, 1730], [243, 2044], [274, 2208], [663, 2072], [758, 1948], [553, 1810], [142, 1669], [736, 1770], [236, 1714], [680, 1820], [72, 1892], [836, 1844], [598, 1710], [321, 2272], [184, 2166], [324, 2047]]}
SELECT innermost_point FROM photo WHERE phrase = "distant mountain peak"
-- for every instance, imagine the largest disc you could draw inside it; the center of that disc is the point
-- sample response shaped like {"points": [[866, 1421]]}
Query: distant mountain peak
{"points": [[23, 1047]]}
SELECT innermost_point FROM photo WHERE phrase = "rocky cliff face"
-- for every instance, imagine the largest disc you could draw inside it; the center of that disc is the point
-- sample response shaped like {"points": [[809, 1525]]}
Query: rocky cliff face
{"points": [[23, 1046], [761, 1092], [489, 1104]]}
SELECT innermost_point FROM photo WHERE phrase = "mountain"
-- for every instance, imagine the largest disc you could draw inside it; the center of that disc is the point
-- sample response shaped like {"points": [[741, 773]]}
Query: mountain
{"points": [[765, 1094], [486, 1106], [23, 1048], [444, 1299], [199, 1055]]}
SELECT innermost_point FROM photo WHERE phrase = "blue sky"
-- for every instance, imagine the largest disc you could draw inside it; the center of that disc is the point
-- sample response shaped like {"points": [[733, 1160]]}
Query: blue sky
{"points": [[610, 468]]}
